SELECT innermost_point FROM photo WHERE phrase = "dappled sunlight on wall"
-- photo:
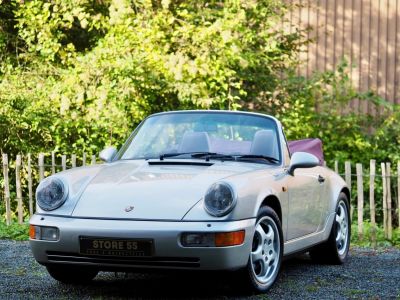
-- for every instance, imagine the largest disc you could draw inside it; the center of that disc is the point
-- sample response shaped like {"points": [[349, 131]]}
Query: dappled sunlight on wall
{"points": [[364, 32]]}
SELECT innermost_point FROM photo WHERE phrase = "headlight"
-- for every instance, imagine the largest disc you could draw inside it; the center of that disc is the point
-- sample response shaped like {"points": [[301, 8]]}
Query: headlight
{"points": [[51, 193], [220, 199]]}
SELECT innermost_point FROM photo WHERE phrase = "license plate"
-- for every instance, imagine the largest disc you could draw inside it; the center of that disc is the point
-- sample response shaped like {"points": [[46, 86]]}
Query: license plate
{"points": [[116, 247]]}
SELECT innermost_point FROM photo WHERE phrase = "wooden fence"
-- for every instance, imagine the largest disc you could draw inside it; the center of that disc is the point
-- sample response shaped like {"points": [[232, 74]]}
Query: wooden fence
{"points": [[389, 181], [364, 32], [41, 168]]}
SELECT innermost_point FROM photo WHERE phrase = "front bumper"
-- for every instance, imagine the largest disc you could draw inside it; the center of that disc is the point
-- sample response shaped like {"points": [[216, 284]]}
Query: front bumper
{"points": [[168, 251]]}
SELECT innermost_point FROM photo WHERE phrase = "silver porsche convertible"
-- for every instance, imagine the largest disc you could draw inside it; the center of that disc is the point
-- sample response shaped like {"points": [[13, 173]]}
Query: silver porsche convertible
{"points": [[193, 190]]}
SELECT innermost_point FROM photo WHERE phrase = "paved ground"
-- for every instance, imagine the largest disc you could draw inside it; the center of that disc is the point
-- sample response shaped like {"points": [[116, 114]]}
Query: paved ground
{"points": [[368, 274]]}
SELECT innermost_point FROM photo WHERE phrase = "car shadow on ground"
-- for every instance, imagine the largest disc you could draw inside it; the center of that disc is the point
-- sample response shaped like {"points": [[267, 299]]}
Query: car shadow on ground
{"points": [[173, 285]]}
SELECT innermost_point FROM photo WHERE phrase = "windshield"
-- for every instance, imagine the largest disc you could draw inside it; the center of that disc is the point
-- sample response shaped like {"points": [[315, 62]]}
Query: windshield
{"points": [[213, 133]]}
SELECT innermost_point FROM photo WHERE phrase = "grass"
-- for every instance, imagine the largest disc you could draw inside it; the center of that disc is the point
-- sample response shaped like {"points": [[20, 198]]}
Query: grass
{"points": [[381, 241], [354, 293], [15, 231], [317, 284]]}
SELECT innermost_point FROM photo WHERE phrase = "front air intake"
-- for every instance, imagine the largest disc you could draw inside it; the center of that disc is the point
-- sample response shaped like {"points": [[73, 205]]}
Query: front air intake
{"points": [[130, 262]]}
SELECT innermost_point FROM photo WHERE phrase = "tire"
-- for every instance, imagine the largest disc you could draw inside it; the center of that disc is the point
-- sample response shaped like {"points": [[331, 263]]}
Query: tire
{"points": [[335, 250], [266, 253], [71, 274]]}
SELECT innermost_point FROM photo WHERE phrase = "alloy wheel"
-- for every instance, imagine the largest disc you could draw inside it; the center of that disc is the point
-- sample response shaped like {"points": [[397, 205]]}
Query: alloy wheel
{"points": [[265, 253], [342, 227]]}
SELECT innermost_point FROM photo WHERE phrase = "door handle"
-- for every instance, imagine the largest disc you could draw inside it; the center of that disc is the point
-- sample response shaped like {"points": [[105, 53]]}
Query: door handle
{"points": [[321, 179]]}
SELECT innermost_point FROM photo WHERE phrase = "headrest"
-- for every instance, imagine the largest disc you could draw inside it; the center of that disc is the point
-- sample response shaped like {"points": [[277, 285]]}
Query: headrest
{"points": [[265, 143], [194, 142]]}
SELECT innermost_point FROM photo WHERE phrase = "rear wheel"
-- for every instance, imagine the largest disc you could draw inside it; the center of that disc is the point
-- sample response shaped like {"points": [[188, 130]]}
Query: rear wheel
{"points": [[71, 274], [335, 249], [266, 252]]}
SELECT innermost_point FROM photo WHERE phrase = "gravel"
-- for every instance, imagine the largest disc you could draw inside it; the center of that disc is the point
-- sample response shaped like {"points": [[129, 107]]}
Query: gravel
{"points": [[368, 274]]}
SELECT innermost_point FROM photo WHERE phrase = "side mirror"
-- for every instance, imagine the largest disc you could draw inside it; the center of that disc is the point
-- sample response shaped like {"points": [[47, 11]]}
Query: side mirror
{"points": [[302, 160], [108, 154]]}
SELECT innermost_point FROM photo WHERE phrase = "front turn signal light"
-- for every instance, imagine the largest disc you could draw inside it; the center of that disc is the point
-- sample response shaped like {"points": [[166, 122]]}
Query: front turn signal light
{"points": [[212, 239], [32, 232], [225, 239], [44, 233]]}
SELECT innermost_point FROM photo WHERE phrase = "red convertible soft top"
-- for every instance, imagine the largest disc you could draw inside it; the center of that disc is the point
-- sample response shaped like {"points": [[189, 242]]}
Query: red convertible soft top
{"points": [[313, 146]]}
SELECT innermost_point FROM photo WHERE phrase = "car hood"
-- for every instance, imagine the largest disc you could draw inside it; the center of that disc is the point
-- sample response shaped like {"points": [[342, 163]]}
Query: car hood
{"points": [[142, 190]]}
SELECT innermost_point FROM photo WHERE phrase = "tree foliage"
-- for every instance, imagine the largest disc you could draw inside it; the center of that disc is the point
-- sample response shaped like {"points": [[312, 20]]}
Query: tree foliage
{"points": [[89, 71], [77, 75]]}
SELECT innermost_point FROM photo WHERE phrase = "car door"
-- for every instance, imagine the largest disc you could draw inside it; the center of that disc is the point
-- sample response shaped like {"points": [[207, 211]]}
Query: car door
{"points": [[306, 203]]}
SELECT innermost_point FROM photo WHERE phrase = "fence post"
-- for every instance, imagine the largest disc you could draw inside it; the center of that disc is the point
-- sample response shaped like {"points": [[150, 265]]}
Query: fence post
{"points": [[93, 159], [41, 166], [30, 185], [18, 189], [6, 189], [73, 160], [84, 159], [336, 166], [360, 200], [398, 193], [53, 163], [64, 162], [347, 176], [372, 169], [384, 206], [389, 201]]}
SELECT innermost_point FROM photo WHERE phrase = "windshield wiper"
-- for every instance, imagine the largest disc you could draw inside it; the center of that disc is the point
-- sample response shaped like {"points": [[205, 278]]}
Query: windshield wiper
{"points": [[255, 156], [193, 154], [214, 155], [241, 156]]}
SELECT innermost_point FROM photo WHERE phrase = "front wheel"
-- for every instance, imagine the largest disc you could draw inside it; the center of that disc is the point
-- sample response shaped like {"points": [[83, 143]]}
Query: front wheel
{"points": [[266, 252], [71, 274]]}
